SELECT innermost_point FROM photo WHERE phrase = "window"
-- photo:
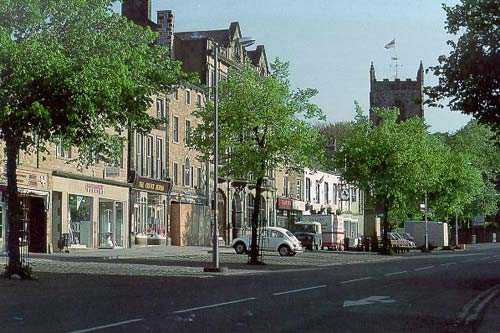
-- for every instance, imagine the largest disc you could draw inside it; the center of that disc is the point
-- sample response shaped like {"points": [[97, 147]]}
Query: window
{"points": [[159, 158], [353, 194], [318, 185], [285, 186], [63, 151], [176, 94], [140, 152], [175, 130], [149, 156], [160, 113], [188, 96], [299, 189], [198, 100], [334, 194], [175, 175], [327, 194], [308, 189], [191, 173], [199, 180], [186, 170], [187, 132]]}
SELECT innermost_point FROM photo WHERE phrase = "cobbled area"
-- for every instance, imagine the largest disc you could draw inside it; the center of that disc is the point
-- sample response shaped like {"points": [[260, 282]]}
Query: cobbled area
{"points": [[192, 264]]}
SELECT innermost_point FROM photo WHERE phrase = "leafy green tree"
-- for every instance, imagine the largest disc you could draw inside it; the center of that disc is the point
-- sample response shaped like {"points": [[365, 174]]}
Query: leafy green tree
{"points": [[71, 70], [468, 76], [476, 143], [263, 125], [396, 163]]}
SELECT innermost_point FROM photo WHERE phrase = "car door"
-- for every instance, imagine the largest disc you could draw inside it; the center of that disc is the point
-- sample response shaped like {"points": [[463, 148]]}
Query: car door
{"points": [[275, 238]]}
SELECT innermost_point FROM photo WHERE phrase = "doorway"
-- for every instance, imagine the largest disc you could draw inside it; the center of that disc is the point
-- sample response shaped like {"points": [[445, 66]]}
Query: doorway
{"points": [[3, 240], [111, 226], [36, 218]]}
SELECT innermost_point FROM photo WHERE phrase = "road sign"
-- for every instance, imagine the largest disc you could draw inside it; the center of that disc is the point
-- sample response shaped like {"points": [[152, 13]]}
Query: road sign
{"points": [[369, 300], [478, 221], [344, 195]]}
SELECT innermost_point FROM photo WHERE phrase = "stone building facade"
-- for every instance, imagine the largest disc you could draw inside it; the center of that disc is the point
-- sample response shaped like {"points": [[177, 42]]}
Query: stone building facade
{"points": [[407, 95], [88, 206]]}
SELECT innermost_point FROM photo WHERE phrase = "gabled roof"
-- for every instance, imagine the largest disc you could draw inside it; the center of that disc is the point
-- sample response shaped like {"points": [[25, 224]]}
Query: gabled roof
{"points": [[222, 37], [258, 54]]}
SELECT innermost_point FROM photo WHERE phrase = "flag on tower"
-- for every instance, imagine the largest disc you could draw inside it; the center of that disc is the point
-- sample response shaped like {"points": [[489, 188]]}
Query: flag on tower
{"points": [[391, 44]]}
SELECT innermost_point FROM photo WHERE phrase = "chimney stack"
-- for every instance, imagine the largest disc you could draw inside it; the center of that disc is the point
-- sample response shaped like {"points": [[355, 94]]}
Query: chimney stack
{"points": [[138, 11], [165, 23]]}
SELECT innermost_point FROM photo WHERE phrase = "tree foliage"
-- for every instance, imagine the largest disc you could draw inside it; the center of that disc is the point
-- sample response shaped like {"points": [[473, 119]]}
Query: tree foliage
{"points": [[72, 71], [263, 125], [395, 163], [468, 75]]}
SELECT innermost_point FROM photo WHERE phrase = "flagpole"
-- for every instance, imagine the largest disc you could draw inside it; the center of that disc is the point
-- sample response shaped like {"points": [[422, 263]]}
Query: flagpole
{"points": [[395, 58]]}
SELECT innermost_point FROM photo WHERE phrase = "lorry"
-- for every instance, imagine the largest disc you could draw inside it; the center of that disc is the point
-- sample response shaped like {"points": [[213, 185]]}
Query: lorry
{"points": [[332, 230], [437, 233]]}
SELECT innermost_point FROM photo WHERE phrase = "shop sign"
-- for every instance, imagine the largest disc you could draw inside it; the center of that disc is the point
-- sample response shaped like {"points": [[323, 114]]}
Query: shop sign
{"points": [[154, 185], [298, 205], [27, 178], [284, 204], [94, 188]]}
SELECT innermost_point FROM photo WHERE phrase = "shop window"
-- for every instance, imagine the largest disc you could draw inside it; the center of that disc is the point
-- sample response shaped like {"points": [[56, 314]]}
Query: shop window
{"points": [[175, 129], [80, 220]]}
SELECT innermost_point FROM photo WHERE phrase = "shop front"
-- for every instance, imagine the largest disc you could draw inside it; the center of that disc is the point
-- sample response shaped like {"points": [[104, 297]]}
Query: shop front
{"points": [[149, 213], [89, 214], [283, 208], [33, 196]]}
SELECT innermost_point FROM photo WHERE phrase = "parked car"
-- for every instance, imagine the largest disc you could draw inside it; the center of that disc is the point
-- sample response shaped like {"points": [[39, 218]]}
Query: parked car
{"points": [[270, 239], [309, 240], [399, 243]]}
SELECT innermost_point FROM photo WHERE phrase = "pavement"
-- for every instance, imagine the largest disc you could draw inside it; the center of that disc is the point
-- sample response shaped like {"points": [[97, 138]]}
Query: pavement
{"points": [[189, 261]]}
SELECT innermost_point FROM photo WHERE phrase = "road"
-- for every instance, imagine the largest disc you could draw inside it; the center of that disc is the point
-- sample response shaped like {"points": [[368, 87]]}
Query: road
{"points": [[415, 293]]}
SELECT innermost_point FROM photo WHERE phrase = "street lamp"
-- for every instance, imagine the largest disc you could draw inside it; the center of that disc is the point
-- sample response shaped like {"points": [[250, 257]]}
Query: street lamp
{"points": [[424, 209], [244, 42]]}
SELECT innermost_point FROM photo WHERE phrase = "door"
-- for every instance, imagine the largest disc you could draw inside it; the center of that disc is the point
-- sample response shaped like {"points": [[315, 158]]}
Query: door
{"points": [[111, 226]]}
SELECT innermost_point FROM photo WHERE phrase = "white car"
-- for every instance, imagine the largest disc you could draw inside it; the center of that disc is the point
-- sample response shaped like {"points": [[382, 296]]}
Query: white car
{"points": [[270, 239]]}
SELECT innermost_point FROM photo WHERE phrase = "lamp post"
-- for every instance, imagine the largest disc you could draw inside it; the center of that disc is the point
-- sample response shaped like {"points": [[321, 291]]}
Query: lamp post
{"points": [[423, 208], [244, 42]]}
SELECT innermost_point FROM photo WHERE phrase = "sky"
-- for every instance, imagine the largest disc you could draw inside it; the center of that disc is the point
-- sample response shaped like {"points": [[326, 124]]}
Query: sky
{"points": [[330, 44]]}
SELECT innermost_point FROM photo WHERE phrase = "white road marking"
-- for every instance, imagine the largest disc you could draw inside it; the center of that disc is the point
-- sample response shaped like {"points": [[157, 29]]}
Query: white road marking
{"points": [[469, 260], [396, 273], [423, 268], [369, 300], [215, 305], [472, 309], [356, 280], [448, 264], [95, 328], [298, 290]]}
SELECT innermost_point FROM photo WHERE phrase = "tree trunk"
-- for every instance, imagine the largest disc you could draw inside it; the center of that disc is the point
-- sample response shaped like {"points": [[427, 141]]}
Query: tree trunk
{"points": [[14, 265], [386, 243], [254, 250]]}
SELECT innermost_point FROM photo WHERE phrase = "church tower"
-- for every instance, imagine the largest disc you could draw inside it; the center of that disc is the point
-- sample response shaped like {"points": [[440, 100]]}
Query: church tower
{"points": [[407, 95]]}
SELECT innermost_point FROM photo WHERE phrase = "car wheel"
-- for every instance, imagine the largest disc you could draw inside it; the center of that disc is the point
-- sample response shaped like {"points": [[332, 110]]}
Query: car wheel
{"points": [[284, 250], [240, 248]]}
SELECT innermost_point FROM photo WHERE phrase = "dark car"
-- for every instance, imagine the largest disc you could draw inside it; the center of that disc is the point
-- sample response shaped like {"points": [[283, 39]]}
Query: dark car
{"points": [[309, 240]]}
